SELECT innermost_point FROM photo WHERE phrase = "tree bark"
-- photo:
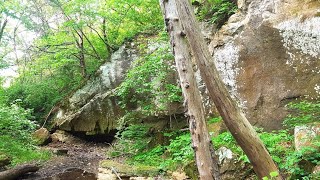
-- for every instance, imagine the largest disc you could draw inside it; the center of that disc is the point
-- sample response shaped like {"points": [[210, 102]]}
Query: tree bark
{"points": [[232, 115], [201, 143], [2, 26], [18, 171]]}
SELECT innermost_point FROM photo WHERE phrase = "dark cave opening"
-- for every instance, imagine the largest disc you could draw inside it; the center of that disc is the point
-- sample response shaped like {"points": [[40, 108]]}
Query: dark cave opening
{"points": [[96, 138]]}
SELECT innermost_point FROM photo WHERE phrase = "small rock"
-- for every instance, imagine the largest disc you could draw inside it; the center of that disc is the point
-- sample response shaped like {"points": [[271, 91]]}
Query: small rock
{"points": [[4, 160], [224, 154], [106, 174], [41, 136], [60, 151], [316, 169], [304, 135], [179, 175], [62, 136], [230, 166]]}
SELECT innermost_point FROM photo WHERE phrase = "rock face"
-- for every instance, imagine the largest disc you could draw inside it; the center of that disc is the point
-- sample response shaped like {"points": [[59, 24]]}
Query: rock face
{"points": [[92, 109], [268, 54]]}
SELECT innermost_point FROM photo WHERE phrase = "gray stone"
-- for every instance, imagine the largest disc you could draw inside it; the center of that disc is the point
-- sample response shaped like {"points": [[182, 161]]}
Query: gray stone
{"points": [[92, 108], [304, 135], [41, 136], [62, 136], [230, 167], [268, 55]]}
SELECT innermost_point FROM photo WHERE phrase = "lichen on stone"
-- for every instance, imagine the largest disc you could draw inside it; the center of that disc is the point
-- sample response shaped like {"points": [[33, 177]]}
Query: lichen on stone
{"points": [[302, 36], [226, 59]]}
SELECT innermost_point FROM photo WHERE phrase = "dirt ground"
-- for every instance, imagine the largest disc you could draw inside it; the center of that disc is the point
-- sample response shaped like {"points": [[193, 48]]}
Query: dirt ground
{"points": [[77, 160]]}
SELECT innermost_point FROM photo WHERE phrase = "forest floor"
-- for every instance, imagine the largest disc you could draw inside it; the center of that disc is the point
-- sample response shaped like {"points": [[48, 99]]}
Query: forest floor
{"points": [[80, 159], [76, 160]]}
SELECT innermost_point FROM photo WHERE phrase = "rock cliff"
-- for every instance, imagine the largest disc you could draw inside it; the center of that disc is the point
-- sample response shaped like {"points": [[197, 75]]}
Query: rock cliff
{"points": [[92, 109], [267, 54]]}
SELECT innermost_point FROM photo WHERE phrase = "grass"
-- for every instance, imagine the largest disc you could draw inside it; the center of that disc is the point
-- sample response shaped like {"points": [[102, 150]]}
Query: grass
{"points": [[21, 152]]}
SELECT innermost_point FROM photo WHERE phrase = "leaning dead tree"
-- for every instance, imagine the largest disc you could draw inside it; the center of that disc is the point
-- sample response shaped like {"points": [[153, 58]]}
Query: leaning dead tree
{"points": [[18, 171], [206, 163], [232, 115]]}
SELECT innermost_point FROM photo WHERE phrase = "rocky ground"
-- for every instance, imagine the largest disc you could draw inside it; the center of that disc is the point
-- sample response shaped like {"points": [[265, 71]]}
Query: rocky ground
{"points": [[77, 159]]}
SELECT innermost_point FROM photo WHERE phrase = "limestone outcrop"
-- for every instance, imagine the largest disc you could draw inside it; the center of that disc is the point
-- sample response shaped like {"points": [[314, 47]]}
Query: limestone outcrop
{"points": [[92, 109], [268, 54]]}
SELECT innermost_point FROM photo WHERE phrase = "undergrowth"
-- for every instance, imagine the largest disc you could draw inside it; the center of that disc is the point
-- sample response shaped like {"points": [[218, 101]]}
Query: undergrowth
{"points": [[302, 113], [215, 11], [178, 153], [150, 86], [15, 138]]}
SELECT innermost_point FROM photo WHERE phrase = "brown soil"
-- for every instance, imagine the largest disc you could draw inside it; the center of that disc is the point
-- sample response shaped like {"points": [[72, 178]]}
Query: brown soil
{"points": [[81, 161]]}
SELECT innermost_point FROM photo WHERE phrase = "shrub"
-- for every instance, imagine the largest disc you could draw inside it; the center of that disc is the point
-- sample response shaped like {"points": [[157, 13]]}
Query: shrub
{"points": [[148, 86], [302, 113], [15, 138], [216, 11]]}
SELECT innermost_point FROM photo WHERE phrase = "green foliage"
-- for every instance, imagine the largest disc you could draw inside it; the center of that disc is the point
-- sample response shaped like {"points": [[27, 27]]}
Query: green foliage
{"points": [[278, 144], [21, 151], [273, 175], [226, 139], [180, 149], [126, 18], [69, 50], [15, 122], [178, 153], [175, 155], [15, 139], [297, 162], [302, 113], [40, 94], [216, 11], [214, 120], [148, 85], [131, 140]]}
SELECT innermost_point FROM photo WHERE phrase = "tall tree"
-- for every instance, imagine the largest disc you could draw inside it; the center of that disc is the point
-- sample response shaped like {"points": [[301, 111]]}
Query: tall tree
{"points": [[232, 115], [201, 143], [2, 26]]}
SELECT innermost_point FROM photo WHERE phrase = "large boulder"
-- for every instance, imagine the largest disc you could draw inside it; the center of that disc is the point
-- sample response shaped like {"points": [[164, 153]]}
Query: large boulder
{"points": [[268, 54], [92, 109]]}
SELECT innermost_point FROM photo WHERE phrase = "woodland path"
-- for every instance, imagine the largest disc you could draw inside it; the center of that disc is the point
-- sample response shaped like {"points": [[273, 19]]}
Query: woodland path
{"points": [[81, 161]]}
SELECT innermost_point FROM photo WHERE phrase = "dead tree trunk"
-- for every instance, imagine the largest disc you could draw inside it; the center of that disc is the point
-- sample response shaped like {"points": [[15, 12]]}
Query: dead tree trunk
{"points": [[18, 171], [207, 166], [232, 115]]}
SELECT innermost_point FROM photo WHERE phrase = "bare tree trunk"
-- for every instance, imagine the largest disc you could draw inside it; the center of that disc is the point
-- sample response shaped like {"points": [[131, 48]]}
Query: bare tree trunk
{"points": [[18, 171], [81, 56], [207, 166], [232, 115], [2, 26]]}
